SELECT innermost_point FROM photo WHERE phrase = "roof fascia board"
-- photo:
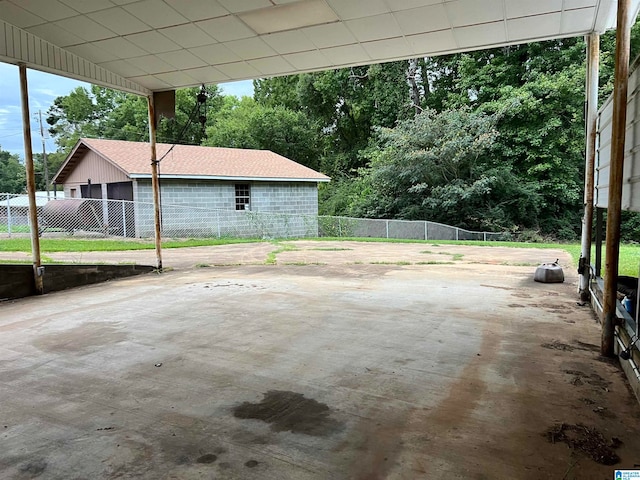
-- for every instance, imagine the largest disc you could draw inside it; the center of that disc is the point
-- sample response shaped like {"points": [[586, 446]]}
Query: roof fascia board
{"points": [[21, 46], [145, 176], [67, 160]]}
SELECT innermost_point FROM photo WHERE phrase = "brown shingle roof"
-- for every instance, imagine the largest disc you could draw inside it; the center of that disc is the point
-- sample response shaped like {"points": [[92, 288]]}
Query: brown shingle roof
{"points": [[196, 161]]}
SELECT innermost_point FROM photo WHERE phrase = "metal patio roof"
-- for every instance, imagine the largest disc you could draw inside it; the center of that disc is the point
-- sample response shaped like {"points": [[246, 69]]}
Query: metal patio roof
{"points": [[153, 45]]}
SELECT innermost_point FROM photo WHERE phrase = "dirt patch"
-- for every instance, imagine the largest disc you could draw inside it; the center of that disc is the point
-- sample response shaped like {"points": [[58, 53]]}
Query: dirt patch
{"points": [[588, 441], [555, 345], [565, 347], [580, 378], [604, 412], [590, 347], [497, 287], [290, 411], [521, 295]]}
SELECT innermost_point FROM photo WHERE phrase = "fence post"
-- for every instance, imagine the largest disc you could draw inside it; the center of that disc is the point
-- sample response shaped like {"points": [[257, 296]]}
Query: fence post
{"points": [[457, 233], [426, 232], [105, 208], [124, 220], [218, 222], [9, 214], [339, 227], [387, 222], [484, 234]]}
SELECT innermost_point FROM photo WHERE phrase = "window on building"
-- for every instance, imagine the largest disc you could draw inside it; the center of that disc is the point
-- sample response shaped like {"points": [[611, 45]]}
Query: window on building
{"points": [[243, 196]]}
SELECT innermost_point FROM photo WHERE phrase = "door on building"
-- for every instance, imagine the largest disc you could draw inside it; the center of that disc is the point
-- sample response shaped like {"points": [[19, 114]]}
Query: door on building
{"points": [[96, 191]]}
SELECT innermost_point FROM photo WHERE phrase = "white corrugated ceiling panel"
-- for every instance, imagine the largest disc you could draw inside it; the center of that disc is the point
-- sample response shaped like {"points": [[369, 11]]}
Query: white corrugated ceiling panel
{"points": [[145, 45]]}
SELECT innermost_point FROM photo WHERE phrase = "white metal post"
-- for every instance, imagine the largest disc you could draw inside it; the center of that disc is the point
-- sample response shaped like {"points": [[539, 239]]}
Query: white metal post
{"points": [[593, 57]]}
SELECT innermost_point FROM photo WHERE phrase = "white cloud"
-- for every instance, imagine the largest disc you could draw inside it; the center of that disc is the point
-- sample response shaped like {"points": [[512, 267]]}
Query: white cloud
{"points": [[43, 90]]}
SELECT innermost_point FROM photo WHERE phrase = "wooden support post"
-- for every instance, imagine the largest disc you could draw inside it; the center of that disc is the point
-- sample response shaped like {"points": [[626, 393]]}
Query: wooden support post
{"points": [[593, 60], [155, 183], [619, 123], [31, 181]]}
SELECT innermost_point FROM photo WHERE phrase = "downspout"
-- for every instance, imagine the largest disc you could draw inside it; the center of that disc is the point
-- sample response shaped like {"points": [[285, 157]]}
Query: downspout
{"points": [[614, 206]]}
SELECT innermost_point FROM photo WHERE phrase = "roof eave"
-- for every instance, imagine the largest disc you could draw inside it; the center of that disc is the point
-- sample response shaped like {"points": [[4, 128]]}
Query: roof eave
{"points": [[64, 165], [82, 142], [145, 176]]}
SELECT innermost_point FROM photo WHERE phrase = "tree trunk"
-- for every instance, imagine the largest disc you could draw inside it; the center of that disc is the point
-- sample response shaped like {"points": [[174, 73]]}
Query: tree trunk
{"points": [[414, 90]]}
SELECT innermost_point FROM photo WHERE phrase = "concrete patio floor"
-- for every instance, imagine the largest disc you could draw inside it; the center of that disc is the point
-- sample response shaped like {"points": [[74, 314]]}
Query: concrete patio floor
{"points": [[345, 370]]}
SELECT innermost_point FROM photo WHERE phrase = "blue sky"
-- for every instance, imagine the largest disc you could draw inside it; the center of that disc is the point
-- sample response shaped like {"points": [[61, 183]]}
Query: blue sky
{"points": [[43, 90]]}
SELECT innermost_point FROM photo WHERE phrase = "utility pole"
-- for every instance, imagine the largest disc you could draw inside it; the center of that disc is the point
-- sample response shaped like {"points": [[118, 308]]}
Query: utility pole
{"points": [[44, 157]]}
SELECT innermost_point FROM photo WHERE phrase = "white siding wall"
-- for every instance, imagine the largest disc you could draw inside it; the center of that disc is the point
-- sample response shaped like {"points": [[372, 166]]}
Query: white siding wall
{"points": [[631, 175], [96, 168]]}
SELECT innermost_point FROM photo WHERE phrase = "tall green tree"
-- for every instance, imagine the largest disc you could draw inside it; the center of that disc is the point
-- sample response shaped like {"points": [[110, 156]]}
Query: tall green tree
{"points": [[537, 92], [54, 162], [346, 104], [438, 166], [105, 113], [12, 173], [248, 124]]}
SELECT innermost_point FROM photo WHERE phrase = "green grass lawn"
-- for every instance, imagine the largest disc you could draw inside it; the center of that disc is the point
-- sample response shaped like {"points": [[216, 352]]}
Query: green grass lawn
{"points": [[628, 265], [51, 245]]}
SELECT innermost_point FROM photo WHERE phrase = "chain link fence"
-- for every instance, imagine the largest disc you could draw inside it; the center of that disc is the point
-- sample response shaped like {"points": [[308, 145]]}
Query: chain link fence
{"points": [[122, 218], [400, 229]]}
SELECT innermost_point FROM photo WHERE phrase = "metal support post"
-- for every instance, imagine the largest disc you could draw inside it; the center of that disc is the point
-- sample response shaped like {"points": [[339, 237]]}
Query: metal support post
{"points": [[155, 183], [619, 123], [593, 58], [599, 221], [31, 181]]}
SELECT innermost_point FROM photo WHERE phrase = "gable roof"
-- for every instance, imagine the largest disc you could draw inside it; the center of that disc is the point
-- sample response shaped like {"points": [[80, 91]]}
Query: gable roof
{"points": [[191, 162]]}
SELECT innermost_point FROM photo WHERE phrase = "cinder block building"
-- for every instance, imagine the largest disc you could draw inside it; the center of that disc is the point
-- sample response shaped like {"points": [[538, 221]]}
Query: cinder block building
{"points": [[229, 181]]}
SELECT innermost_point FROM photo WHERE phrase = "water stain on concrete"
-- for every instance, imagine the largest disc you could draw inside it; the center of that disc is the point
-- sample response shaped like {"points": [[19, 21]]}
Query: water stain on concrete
{"points": [[83, 337], [207, 458], [34, 468], [465, 393], [291, 411]]}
